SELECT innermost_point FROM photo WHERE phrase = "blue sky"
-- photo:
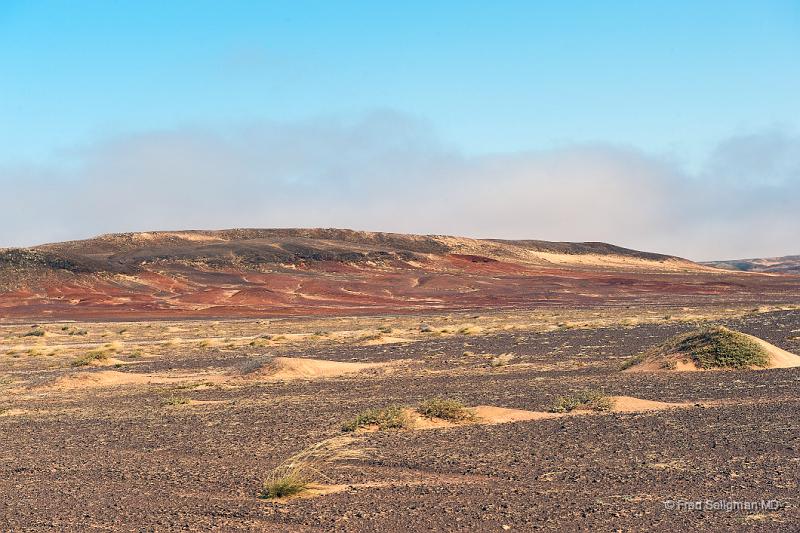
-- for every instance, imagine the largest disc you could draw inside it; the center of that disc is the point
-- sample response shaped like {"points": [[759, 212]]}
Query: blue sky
{"points": [[673, 80]]}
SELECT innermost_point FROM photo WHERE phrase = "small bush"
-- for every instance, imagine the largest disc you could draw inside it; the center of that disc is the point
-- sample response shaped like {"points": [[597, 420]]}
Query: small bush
{"points": [[721, 347], [708, 347], [586, 399], [90, 357], [391, 417], [256, 364], [500, 360], [34, 333], [632, 361], [452, 410], [175, 400]]}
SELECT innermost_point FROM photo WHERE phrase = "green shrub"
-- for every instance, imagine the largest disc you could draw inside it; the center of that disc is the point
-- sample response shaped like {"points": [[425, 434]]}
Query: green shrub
{"points": [[585, 399], [90, 357], [390, 417], [452, 410]]}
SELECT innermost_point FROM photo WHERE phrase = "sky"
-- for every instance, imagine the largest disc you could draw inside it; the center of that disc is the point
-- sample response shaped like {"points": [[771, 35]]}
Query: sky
{"points": [[671, 127]]}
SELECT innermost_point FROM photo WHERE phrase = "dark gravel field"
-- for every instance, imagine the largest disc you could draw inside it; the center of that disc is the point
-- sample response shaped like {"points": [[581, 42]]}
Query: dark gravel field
{"points": [[126, 457]]}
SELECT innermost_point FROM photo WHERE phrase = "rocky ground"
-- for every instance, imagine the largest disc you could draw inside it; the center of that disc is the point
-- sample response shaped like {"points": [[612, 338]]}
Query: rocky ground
{"points": [[106, 455]]}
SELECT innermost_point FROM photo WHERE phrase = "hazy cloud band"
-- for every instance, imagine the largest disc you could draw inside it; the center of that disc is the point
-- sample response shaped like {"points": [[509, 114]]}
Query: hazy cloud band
{"points": [[389, 172]]}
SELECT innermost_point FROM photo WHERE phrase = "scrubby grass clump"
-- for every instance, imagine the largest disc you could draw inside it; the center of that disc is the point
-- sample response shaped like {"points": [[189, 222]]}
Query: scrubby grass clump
{"points": [[258, 364], [175, 400], [708, 348], [633, 361], [296, 474], [390, 417], [586, 399], [720, 347], [292, 482], [452, 410], [90, 357]]}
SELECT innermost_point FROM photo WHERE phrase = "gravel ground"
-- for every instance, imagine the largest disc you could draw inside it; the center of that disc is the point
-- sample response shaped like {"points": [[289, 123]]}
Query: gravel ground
{"points": [[118, 459]]}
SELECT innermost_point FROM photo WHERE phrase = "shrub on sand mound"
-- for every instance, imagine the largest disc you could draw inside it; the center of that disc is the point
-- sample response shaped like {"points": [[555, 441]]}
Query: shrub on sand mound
{"points": [[451, 410], [709, 348], [391, 417], [584, 400]]}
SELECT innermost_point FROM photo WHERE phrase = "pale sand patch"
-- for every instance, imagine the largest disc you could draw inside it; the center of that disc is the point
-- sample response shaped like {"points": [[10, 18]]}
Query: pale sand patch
{"points": [[778, 357], [207, 402], [629, 404], [12, 412], [112, 378], [110, 361], [288, 368], [489, 414], [674, 363], [385, 340]]}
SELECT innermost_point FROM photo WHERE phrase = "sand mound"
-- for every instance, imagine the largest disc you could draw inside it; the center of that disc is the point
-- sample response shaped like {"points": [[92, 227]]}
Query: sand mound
{"points": [[713, 348], [629, 404], [103, 378], [385, 340], [288, 368], [113, 378], [489, 414]]}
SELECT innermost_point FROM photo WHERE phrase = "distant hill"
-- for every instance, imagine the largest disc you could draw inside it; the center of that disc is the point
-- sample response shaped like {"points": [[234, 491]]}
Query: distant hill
{"points": [[266, 272], [789, 264]]}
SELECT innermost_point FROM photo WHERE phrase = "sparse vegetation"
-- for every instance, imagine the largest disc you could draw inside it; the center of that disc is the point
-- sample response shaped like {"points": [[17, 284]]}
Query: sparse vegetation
{"points": [[34, 333], [500, 360], [175, 400], [720, 347], [708, 347], [446, 409], [99, 354], [632, 361], [296, 474], [586, 400], [390, 417], [256, 364]]}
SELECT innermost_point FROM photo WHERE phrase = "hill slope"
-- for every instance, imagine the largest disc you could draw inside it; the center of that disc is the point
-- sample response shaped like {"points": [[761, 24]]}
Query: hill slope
{"points": [[255, 272], [789, 264]]}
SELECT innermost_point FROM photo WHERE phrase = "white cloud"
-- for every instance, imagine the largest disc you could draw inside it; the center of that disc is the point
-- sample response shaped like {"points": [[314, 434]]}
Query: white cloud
{"points": [[390, 172]]}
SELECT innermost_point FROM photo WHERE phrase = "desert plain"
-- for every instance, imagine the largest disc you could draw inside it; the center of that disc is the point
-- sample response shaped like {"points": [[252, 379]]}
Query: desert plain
{"points": [[175, 381]]}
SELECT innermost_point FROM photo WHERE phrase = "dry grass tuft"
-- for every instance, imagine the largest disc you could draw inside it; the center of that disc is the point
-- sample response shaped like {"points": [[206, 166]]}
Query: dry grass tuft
{"points": [[296, 474]]}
